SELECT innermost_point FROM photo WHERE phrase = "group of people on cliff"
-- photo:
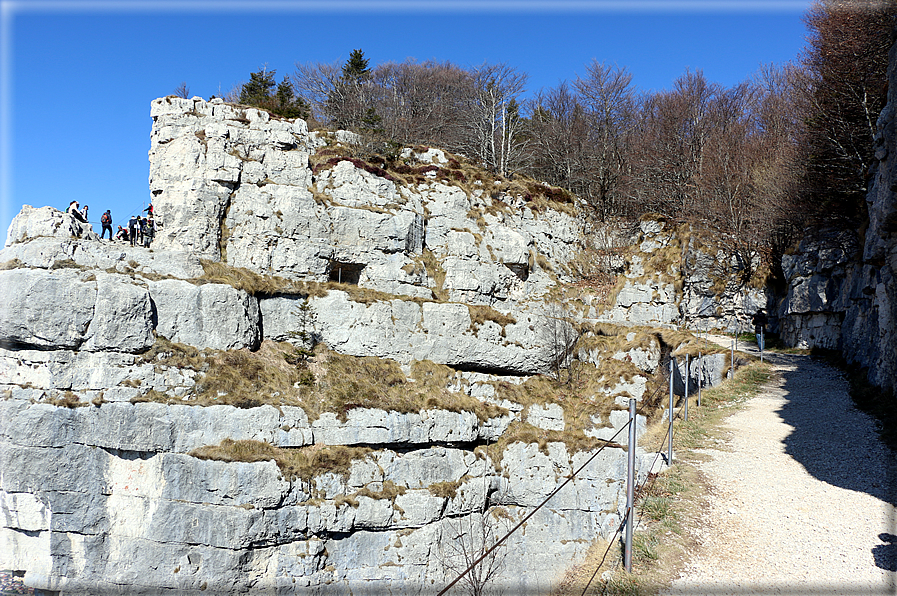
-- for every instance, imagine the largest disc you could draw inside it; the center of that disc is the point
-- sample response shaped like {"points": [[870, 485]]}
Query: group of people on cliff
{"points": [[140, 230]]}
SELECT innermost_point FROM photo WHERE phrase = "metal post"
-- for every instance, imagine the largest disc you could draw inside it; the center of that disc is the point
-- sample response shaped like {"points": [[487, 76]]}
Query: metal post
{"points": [[762, 341], [670, 447], [732, 365], [687, 374], [700, 376], [340, 274], [630, 490]]}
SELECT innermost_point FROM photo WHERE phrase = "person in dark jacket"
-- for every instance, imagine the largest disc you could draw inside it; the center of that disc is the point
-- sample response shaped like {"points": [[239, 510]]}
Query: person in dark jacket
{"points": [[133, 226], [149, 232], [75, 212], [759, 320], [106, 221]]}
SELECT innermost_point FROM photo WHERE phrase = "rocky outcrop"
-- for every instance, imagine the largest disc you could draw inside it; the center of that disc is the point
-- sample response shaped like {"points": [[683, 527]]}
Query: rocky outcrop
{"points": [[405, 330], [234, 184], [116, 475], [842, 287], [107, 498], [671, 279], [47, 222]]}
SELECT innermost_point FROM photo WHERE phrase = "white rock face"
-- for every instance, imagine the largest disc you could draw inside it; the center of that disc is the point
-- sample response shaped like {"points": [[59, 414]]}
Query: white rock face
{"points": [[46, 221], [404, 331], [232, 184], [136, 514], [66, 309], [46, 253], [104, 496], [207, 316]]}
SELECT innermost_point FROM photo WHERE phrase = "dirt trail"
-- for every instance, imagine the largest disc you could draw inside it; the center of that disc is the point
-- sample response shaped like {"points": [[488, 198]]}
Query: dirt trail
{"points": [[803, 495]]}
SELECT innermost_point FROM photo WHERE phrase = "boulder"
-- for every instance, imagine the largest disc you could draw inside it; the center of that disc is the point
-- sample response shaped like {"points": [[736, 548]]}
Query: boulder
{"points": [[53, 309], [46, 221], [207, 316]]}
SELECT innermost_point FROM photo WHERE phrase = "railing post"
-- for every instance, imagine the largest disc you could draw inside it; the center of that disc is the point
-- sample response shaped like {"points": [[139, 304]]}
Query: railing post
{"points": [[630, 490], [687, 375], [700, 376], [732, 363], [670, 446]]}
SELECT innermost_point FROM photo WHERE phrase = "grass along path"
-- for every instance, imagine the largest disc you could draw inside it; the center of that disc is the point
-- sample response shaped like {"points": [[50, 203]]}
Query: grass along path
{"points": [[780, 486], [669, 504], [801, 495]]}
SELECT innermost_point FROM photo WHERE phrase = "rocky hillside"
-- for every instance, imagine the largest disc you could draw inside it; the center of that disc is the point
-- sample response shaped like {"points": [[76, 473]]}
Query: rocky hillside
{"points": [[842, 284], [326, 376]]}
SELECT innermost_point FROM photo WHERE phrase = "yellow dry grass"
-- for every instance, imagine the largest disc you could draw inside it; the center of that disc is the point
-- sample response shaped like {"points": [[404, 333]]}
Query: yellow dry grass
{"points": [[304, 462]]}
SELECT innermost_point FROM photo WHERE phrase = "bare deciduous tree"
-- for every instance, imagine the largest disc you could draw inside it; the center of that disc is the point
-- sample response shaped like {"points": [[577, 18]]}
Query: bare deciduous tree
{"points": [[560, 335], [609, 97], [182, 90], [560, 139], [491, 120], [464, 541]]}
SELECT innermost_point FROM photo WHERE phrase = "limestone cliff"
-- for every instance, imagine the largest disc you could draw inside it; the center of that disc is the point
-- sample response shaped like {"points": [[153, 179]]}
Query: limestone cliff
{"points": [[169, 427], [842, 284]]}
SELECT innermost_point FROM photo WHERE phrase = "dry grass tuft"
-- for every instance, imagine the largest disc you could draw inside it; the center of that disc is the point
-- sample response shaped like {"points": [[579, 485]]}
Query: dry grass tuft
{"points": [[253, 283], [368, 382], [446, 490], [328, 382], [479, 314], [436, 272], [65, 264], [11, 264], [304, 463], [68, 400]]}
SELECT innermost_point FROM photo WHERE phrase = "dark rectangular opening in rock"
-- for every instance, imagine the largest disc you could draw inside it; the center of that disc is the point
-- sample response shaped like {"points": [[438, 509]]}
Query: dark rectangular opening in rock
{"points": [[521, 271], [346, 273]]}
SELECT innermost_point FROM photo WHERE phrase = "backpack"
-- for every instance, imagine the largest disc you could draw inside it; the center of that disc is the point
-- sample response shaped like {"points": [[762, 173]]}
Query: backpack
{"points": [[105, 219]]}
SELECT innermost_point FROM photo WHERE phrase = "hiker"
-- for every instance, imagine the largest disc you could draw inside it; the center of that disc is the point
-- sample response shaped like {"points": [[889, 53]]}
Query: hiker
{"points": [[149, 210], [141, 229], [106, 220], [84, 213], [759, 320], [75, 212], [149, 232], [122, 234], [133, 226]]}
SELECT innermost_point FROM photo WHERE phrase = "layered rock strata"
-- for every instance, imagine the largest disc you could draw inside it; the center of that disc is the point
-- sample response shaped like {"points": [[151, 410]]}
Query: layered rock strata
{"points": [[102, 488]]}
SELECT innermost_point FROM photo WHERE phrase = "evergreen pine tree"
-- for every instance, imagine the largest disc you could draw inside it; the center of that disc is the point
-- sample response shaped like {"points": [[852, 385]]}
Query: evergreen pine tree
{"points": [[356, 67], [258, 89]]}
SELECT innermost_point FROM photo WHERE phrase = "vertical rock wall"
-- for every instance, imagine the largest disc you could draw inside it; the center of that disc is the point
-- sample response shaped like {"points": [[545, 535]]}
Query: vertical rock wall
{"points": [[842, 285]]}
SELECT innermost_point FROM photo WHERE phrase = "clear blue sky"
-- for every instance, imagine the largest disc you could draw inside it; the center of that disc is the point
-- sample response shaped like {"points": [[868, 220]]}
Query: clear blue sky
{"points": [[78, 76]]}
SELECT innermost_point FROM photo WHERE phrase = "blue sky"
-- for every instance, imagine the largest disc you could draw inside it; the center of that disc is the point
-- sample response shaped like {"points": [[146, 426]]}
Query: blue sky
{"points": [[78, 76]]}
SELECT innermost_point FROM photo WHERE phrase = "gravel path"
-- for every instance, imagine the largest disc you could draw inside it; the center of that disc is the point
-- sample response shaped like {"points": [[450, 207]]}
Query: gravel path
{"points": [[803, 495]]}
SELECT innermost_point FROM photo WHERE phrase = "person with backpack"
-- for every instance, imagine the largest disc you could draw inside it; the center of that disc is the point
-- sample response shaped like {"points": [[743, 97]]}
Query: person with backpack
{"points": [[106, 220], [122, 234], [133, 226]]}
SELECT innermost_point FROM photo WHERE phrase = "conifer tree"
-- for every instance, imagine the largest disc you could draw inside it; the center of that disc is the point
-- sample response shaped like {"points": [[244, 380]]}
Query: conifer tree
{"points": [[259, 92], [259, 87], [356, 68]]}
